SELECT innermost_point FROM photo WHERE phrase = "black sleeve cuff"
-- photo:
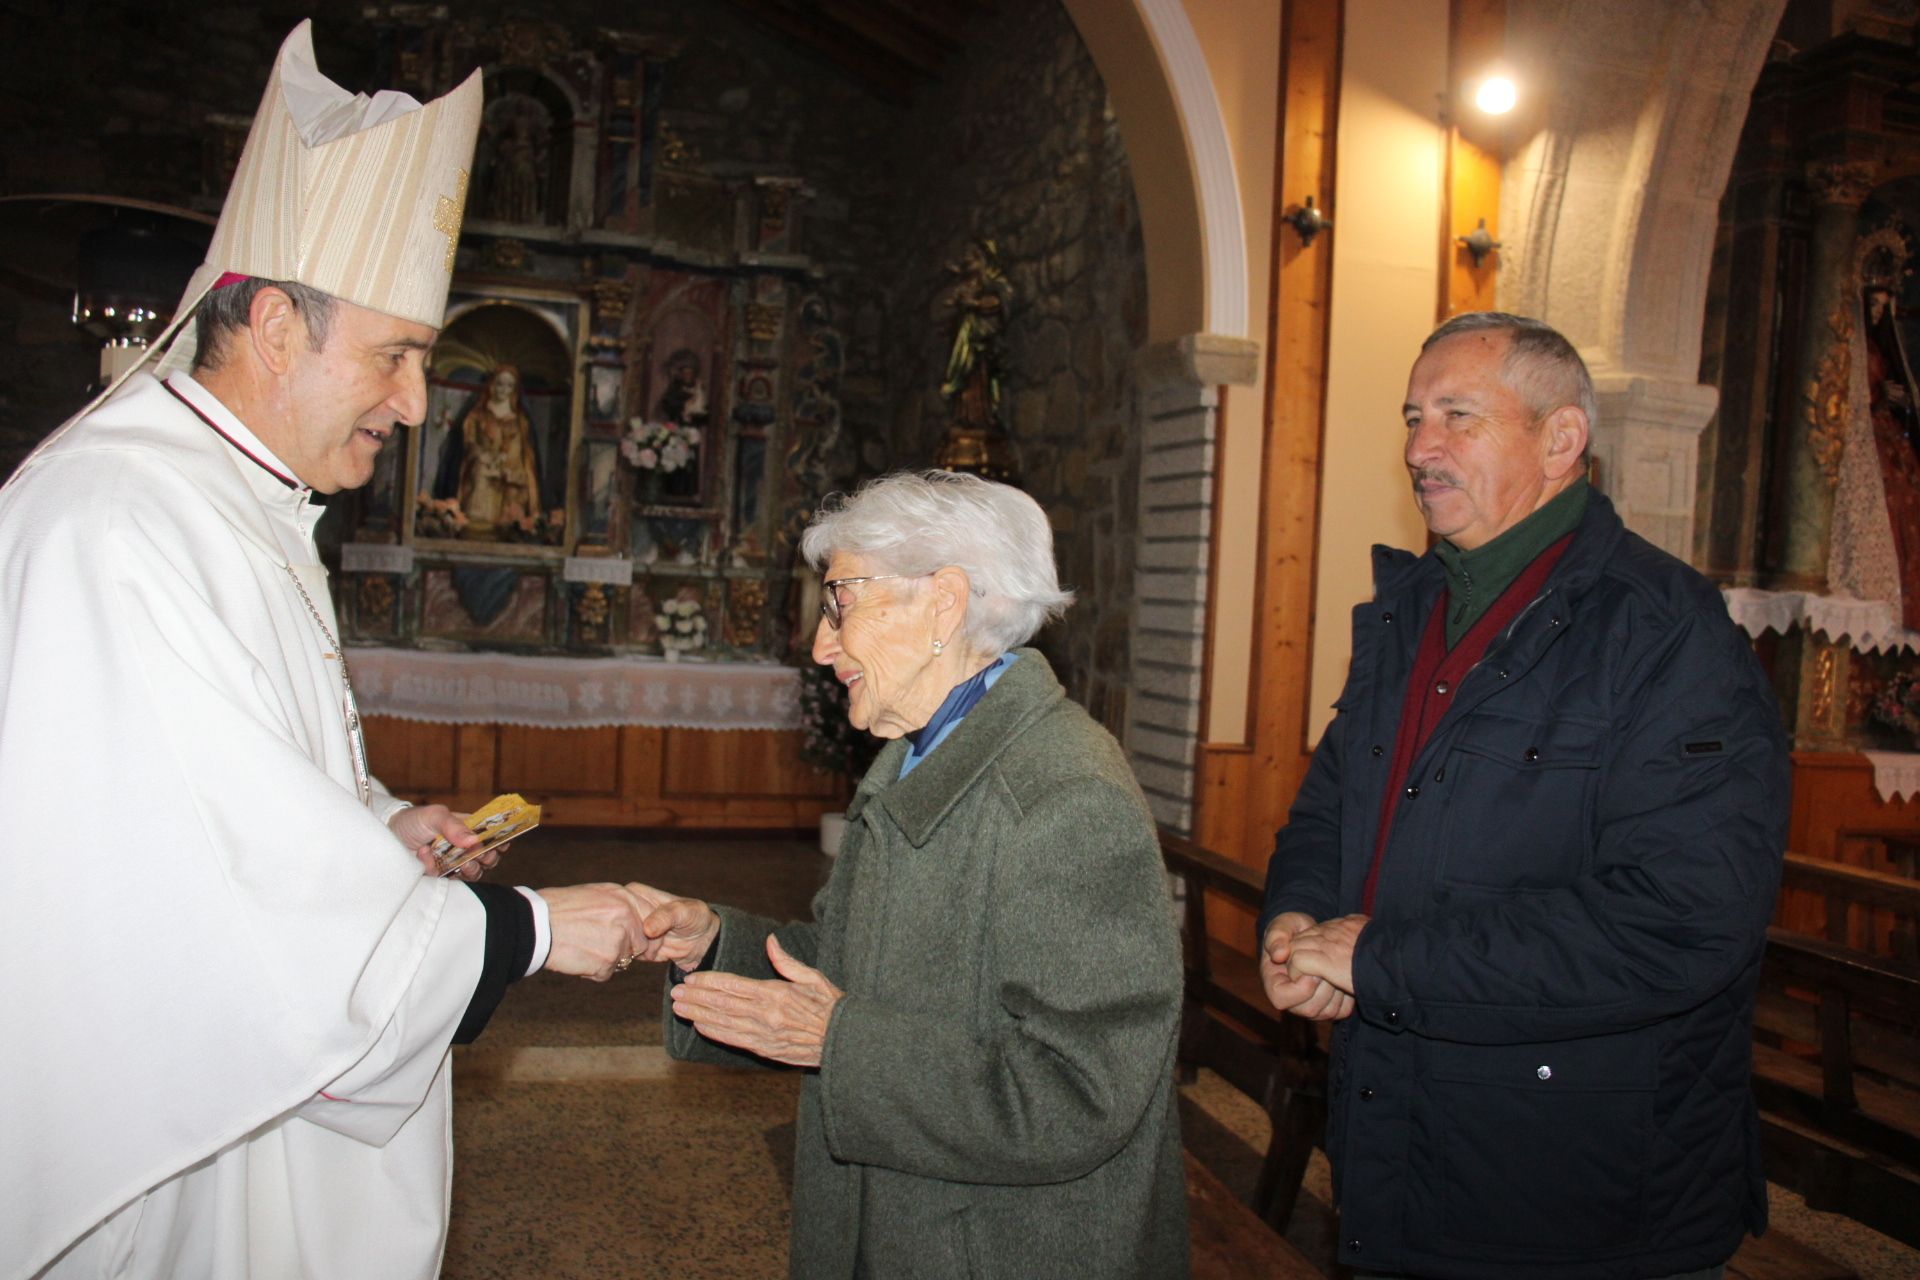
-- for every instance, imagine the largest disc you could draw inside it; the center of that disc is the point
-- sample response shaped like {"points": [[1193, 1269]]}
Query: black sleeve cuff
{"points": [[509, 952]]}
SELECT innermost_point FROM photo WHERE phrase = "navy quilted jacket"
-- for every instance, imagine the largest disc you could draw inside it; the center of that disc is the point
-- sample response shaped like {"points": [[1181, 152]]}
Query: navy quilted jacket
{"points": [[1548, 1071]]}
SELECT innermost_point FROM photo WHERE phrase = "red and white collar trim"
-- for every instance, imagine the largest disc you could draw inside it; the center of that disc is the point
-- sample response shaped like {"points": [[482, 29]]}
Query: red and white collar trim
{"points": [[229, 428]]}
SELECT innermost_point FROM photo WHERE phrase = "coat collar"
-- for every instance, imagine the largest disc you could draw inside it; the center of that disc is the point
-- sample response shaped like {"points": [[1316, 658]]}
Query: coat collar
{"points": [[1397, 572], [918, 802]]}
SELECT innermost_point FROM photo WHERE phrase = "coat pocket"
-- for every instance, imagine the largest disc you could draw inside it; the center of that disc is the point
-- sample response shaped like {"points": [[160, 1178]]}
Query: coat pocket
{"points": [[1519, 801], [1543, 1149]]}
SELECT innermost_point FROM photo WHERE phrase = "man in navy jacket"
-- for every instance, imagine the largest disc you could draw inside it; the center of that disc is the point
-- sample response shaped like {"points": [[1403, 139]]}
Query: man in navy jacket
{"points": [[1529, 873]]}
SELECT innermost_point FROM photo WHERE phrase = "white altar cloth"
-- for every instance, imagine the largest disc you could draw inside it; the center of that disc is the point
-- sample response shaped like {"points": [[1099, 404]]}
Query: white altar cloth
{"points": [[1867, 626], [574, 693], [1896, 774]]}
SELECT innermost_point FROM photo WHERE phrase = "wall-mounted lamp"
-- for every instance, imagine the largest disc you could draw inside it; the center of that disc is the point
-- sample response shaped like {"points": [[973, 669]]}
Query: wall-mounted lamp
{"points": [[1308, 221], [1496, 95], [1478, 243]]}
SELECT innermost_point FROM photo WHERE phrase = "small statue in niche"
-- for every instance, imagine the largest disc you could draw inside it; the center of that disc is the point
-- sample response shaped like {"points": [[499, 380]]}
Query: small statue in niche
{"points": [[517, 167], [499, 475], [975, 440], [684, 402], [980, 302]]}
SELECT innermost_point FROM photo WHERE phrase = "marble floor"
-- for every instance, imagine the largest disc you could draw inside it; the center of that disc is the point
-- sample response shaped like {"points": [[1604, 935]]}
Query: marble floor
{"points": [[581, 1151]]}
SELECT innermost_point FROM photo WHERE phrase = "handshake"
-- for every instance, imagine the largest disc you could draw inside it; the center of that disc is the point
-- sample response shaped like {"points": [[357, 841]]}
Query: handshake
{"points": [[600, 929], [1307, 966]]}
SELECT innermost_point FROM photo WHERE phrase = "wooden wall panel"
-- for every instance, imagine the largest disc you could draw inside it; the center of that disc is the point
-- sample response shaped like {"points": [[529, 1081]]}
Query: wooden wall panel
{"points": [[728, 764], [1241, 793], [627, 777], [559, 762], [408, 756]]}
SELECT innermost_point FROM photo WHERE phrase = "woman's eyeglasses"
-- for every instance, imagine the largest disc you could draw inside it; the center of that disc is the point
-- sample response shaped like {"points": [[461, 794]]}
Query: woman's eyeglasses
{"points": [[830, 607]]}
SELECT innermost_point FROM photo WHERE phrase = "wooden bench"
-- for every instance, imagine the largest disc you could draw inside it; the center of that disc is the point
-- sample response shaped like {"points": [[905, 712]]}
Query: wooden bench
{"points": [[1860, 896], [1228, 1026], [1837, 1075], [1227, 1240]]}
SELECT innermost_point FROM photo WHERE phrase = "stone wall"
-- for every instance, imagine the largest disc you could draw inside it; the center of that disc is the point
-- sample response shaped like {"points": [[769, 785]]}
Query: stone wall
{"points": [[1018, 146]]}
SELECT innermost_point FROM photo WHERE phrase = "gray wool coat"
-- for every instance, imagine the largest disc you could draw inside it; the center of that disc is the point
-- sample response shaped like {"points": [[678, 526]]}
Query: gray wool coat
{"points": [[995, 1098]]}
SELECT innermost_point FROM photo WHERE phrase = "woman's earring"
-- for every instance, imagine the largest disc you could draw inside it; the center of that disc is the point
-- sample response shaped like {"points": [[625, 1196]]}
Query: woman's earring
{"points": [[938, 645]]}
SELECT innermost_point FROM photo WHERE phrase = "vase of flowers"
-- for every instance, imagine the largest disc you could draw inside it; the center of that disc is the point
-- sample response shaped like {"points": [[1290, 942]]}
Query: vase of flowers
{"points": [[829, 742], [656, 450], [682, 628], [1897, 705]]}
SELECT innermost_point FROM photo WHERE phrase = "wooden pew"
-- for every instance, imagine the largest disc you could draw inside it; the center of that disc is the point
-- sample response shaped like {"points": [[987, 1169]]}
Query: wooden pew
{"points": [[1228, 1242], [1837, 1075], [1228, 1026], [1845, 887]]}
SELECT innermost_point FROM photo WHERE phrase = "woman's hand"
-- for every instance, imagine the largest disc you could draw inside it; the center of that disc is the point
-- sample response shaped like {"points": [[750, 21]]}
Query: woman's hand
{"points": [[676, 930], [783, 1020]]}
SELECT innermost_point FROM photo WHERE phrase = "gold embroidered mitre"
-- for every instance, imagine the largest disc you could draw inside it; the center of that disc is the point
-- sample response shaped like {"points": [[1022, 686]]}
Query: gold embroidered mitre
{"points": [[354, 196]]}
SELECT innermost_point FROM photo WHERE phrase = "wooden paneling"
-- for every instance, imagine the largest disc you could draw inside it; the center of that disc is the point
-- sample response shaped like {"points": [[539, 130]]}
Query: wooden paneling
{"points": [[559, 762], [1241, 793], [626, 777], [723, 764], [409, 756]]}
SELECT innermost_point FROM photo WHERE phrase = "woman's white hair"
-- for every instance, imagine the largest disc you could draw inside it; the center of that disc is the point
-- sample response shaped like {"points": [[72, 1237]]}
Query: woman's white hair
{"points": [[917, 522]]}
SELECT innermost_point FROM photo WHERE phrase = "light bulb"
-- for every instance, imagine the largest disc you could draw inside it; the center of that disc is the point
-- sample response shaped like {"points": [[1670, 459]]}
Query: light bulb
{"points": [[1496, 95]]}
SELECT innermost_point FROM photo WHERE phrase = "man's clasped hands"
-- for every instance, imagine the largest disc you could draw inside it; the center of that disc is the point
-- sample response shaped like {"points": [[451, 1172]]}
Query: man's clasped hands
{"points": [[1307, 966], [600, 929]]}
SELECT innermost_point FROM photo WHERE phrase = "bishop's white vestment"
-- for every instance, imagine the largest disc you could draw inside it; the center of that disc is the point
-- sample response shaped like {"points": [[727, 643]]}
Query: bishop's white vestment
{"points": [[226, 989]]}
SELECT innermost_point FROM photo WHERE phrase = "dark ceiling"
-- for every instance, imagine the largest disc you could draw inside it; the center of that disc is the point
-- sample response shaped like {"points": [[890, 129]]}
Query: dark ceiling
{"points": [[892, 47]]}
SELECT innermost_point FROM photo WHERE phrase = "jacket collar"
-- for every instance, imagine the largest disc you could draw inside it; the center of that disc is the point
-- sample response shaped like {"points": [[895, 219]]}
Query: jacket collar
{"points": [[919, 801], [1397, 572]]}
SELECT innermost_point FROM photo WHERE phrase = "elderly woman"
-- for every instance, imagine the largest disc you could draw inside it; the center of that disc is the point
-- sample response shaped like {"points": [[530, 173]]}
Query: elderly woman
{"points": [[988, 991]]}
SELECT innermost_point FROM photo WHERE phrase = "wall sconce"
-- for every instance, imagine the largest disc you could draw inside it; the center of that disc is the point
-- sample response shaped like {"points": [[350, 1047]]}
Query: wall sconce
{"points": [[1308, 221], [1478, 243]]}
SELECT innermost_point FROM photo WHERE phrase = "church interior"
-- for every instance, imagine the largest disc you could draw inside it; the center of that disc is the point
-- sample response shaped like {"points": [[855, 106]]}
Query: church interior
{"points": [[1162, 264]]}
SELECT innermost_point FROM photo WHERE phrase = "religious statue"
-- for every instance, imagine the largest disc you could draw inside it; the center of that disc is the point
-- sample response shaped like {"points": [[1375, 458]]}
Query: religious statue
{"points": [[1891, 399], [684, 402], [1874, 546], [973, 364], [976, 440], [516, 176], [499, 474]]}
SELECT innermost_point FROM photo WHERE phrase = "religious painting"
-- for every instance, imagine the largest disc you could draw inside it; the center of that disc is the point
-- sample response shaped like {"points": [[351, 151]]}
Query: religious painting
{"points": [[603, 392], [494, 459], [489, 603], [599, 478]]}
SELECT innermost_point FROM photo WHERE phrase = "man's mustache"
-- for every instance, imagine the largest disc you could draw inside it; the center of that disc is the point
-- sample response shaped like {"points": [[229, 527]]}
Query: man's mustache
{"points": [[1424, 474]]}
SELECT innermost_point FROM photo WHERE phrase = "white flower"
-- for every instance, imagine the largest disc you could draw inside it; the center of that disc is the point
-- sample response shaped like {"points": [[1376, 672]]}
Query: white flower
{"points": [[662, 622], [647, 459]]}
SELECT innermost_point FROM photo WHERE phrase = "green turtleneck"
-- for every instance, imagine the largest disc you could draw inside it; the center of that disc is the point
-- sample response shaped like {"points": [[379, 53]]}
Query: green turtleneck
{"points": [[1476, 578]]}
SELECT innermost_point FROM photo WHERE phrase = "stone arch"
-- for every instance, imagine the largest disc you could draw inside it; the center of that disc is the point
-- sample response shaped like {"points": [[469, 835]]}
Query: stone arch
{"points": [[1611, 208]]}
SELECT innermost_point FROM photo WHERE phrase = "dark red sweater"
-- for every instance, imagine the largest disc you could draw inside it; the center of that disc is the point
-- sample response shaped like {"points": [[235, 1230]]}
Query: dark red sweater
{"points": [[1437, 673]]}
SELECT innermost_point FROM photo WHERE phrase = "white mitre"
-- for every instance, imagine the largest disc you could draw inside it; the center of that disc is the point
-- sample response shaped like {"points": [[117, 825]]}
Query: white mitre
{"points": [[359, 197]]}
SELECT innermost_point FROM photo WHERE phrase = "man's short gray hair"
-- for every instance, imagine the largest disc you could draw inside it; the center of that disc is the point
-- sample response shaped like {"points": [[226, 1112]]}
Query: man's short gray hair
{"points": [[917, 522], [1542, 367], [226, 310]]}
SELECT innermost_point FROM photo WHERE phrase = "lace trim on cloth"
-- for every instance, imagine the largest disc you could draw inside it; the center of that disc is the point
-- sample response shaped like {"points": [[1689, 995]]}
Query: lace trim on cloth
{"points": [[574, 693], [1896, 774], [1868, 626]]}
